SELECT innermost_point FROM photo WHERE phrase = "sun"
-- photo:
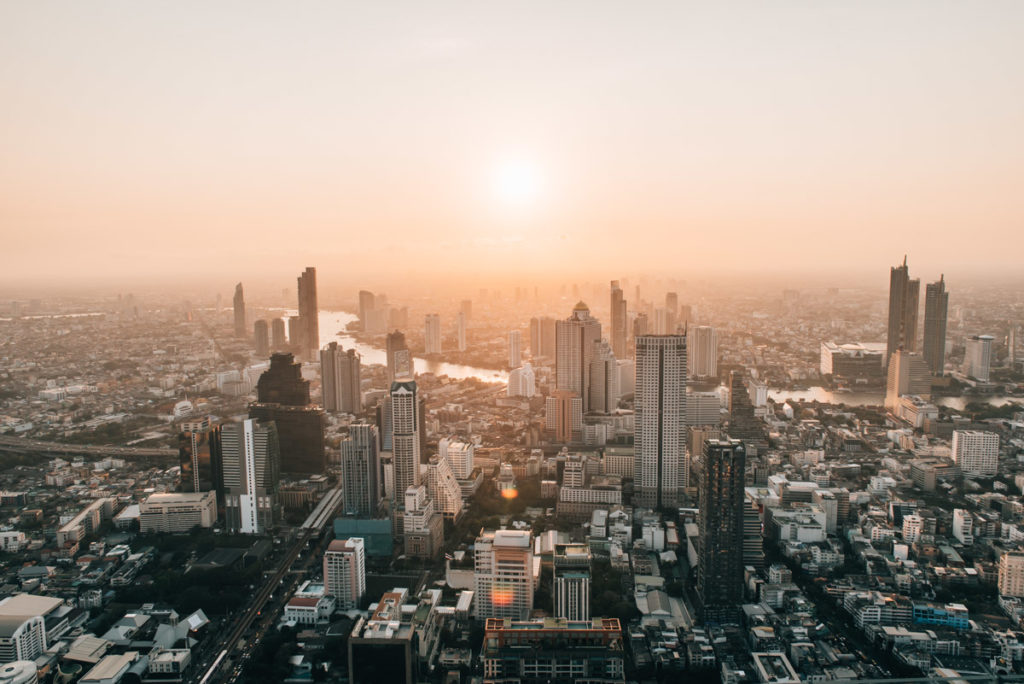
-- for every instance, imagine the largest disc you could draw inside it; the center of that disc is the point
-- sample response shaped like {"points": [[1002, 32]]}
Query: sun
{"points": [[517, 183]]}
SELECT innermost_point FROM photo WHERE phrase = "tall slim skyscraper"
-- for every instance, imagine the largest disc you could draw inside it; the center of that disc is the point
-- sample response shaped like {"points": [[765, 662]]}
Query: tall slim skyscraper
{"points": [[309, 313], [619, 321], [936, 303], [720, 477], [239, 302], [340, 379], [405, 435], [515, 349], [660, 420], [261, 335], [199, 453], [360, 471], [251, 462], [604, 379], [432, 334], [460, 331], [399, 358], [542, 337], [702, 352], [367, 303], [574, 349], [278, 336], [903, 304]]}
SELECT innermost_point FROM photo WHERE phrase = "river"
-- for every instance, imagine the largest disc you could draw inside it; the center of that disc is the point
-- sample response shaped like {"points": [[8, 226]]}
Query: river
{"points": [[878, 398], [333, 325]]}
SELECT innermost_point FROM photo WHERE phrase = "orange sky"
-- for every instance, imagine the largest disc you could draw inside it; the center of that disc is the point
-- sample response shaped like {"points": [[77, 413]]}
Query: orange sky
{"points": [[185, 138]]}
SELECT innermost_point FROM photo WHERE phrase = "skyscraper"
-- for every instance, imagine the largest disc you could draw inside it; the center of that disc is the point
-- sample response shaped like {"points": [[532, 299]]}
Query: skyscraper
{"points": [[251, 462], [460, 331], [405, 435], [239, 302], [466, 309], [618, 322], [542, 337], [367, 303], [283, 397], [604, 379], [432, 334], [199, 455], [720, 476], [360, 472], [309, 313], [563, 416], [672, 304], [399, 358], [340, 378], [515, 349], [976, 452], [903, 303], [571, 581], [936, 303], [278, 336], [978, 357], [574, 349], [261, 335], [702, 352], [660, 419], [503, 574], [345, 571], [443, 487]]}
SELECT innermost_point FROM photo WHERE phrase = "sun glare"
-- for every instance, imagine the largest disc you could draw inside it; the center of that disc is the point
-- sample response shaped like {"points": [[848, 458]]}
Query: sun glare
{"points": [[517, 183]]}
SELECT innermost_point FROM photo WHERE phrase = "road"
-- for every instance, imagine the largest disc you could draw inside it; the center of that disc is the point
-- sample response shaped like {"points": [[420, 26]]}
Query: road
{"points": [[18, 445], [213, 666]]}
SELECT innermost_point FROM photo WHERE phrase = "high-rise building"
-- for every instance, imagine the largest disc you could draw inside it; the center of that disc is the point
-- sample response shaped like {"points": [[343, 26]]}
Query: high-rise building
{"points": [[199, 455], [542, 337], [309, 313], [571, 581], [604, 379], [460, 331], [432, 334], [443, 488], [978, 357], [619, 321], [660, 419], [908, 374], [1011, 347], [672, 304], [702, 352], [251, 462], [367, 304], [515, 349], [936, 303], [1011, 574], [466, 309], [903, 304], [458, 454], [976, 452], [703, 408], [278, 335], [574, 349], [340, 379], [743, 423], [563, 416], [720, 522], [399, 358], [503, 574], [522, 382], [239, 303], [405, 435], [422, 525], [360, 472], [261, 336], [283, 397], [345, 571]]}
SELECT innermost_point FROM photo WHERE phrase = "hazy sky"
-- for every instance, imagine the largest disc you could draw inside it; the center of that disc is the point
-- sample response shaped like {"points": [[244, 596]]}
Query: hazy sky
{"points": [[157, 138]]}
